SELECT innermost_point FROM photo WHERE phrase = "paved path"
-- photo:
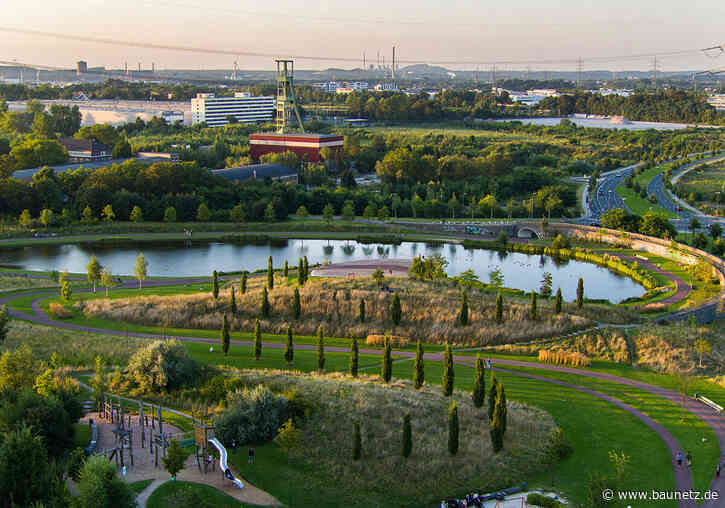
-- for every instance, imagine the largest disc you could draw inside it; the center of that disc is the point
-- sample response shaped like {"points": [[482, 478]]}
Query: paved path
{"points": [[683, 289], [682, 477], [145, 494]]}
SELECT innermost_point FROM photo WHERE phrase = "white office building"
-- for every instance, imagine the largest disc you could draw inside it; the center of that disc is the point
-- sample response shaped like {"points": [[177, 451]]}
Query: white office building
{"points": [[216, 110], [717, 101]]}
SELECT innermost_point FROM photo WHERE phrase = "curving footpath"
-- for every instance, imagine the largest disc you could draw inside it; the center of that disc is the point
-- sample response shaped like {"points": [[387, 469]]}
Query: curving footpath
{"points": [[683, 480]]}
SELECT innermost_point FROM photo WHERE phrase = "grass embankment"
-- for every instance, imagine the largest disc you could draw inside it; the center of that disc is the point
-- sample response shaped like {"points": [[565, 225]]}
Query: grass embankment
{"points": [[429, 312], [701, 186], [692, 434], [17, 282], [175, 230], [594, 427], [177, 494], [320, 469], [634, 201]]}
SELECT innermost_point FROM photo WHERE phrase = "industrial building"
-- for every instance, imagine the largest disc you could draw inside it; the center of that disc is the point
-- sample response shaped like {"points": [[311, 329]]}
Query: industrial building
{"points": [[258, 171], [85, 150], [215, 111], [305, 146]]}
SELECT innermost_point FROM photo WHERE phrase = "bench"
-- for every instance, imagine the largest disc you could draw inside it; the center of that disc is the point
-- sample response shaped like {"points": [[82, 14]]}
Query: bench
{"points": [[717, 407]]}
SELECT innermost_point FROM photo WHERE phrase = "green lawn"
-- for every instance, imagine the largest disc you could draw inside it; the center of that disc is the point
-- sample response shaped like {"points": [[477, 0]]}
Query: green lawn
{"points": [[242, 357], [688, 429], [639, 205], [139, 486], [162, 497], [594, 426]]}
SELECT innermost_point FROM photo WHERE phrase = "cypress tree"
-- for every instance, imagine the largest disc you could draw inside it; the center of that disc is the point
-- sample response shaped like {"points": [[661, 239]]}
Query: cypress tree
{"points": [[243, 283], [558, 302], [225, 335], [396, 313], [580, 293], [289, 352], [307, 269], [453, 429], [498, 422], [418, 369], [463, 314], [496, 434], [285, 270], [214, 285], [270, 274], [320, 350], [387, 367], [479, 387], [499, 308], [233, 301], [300, 273], [4, 320], [362, 310], [448, 374], [353, 357], [356, 442], [407, 436], [492, 396], [257, 341], [265, 303], [532, 309], [297, 305], [503, 409]]}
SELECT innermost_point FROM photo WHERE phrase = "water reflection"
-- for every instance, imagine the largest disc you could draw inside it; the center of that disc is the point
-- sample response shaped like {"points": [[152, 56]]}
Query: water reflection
{"points": [[521, 271]]}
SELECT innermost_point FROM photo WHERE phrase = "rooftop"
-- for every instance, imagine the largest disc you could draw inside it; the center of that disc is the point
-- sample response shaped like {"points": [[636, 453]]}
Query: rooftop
{"points": [[242, 173]]}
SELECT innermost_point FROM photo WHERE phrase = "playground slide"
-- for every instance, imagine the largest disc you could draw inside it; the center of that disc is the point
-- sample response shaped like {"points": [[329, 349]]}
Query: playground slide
{"points": [[223, 462]]}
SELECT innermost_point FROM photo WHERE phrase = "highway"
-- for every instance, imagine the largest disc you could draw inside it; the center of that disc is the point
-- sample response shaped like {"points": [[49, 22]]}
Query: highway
{"points": [[605, 196]]}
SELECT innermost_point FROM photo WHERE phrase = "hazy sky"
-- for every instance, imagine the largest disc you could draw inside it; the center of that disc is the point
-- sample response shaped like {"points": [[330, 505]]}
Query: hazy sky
{"points": [[423, 30]]}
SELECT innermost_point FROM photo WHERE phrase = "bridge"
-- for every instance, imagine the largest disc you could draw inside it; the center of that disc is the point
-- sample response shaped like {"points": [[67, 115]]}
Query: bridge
{"points": [[484, 230]]}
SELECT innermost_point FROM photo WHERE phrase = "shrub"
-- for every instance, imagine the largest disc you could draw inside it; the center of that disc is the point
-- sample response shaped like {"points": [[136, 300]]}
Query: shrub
{"points": [[535, 499], [161, 365], [559, 446], [58, 311], [252, 416], [100, 486], [379, 340]]}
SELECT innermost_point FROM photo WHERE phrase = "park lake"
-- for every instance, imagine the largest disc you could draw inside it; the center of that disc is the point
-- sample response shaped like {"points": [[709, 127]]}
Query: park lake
{"points": [[179, 259]]}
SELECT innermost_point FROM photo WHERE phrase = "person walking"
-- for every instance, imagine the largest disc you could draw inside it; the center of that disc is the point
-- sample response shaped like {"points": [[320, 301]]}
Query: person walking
{"points": [[679, 458], [717, 470], [251, 456], [689, 459]]}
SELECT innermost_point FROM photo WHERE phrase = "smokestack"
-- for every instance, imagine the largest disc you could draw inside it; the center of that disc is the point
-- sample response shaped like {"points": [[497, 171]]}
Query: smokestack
{"points": [[393, 66], [139, 66], [125, 68], [153, 67]]}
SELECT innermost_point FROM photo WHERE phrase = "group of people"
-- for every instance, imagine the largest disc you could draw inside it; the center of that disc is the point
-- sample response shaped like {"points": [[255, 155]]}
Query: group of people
{"points": [[689, 459], [471, 500]]}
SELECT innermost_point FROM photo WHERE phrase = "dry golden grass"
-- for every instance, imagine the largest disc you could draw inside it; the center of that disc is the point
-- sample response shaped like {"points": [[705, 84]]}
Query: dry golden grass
{"points": [[609, 345], [77, 349], [429, 312], [379, 340], [340, 401], [57, 310], [10, 283], [567, 358], [672, 348]]}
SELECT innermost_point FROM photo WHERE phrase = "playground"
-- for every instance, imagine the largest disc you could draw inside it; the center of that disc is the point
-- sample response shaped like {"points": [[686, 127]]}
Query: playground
{"points": [[137, 444]]}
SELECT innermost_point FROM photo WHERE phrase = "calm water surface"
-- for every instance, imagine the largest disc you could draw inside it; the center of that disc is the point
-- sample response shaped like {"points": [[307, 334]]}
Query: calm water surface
{"points": [[521, 271]]}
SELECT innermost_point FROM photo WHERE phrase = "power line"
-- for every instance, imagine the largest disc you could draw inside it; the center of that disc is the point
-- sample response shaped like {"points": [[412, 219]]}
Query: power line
{"points": [[322, 58]]}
